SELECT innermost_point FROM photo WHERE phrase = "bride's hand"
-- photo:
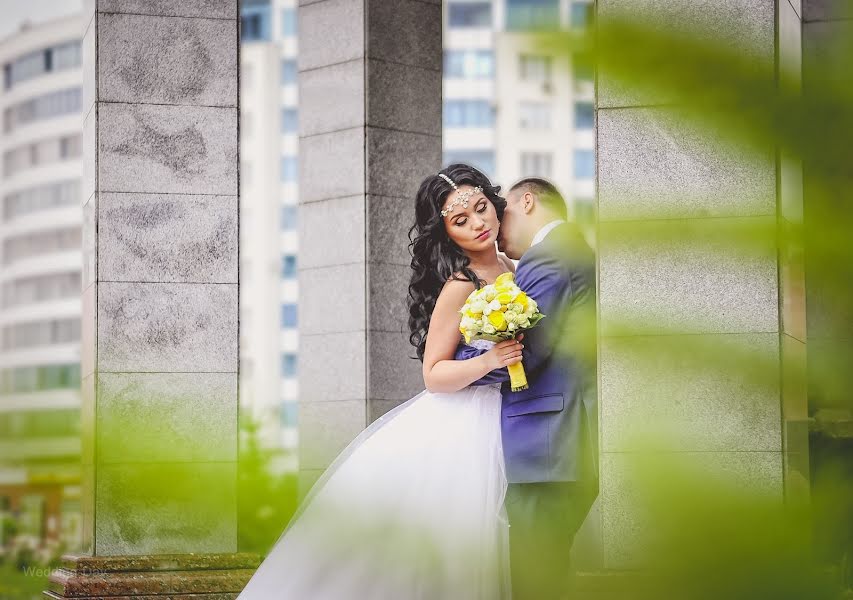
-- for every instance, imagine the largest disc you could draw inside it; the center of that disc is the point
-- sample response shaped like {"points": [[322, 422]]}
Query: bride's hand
{"points": [[504, 354]]}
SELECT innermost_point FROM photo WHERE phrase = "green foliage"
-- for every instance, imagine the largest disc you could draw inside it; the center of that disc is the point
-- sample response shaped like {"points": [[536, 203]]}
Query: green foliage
{"points": [[266, 499], [711, 534]]}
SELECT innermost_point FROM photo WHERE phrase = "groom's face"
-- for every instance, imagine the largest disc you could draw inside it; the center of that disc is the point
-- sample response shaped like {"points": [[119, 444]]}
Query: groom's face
{"points": [[511, 236]]}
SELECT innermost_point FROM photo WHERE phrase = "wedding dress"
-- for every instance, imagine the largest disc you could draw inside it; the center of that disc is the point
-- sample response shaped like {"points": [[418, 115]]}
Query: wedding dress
{"points": [[411, 509]]}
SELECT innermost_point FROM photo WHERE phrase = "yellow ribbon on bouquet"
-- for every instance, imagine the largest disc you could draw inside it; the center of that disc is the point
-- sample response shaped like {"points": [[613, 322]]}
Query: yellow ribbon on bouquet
{"points": [[517, 377]]}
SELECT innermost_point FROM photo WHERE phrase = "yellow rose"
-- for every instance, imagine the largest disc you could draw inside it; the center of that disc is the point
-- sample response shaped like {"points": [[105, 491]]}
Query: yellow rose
{"points": [[504, 278], [497, 319], [504, 298], [522, 300]]}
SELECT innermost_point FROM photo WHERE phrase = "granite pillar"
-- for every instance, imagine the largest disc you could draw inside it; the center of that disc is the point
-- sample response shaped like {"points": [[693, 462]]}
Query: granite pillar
{"points": [[828, 216], [827, 35], [370, 131], [670, 194], [160, 295]]}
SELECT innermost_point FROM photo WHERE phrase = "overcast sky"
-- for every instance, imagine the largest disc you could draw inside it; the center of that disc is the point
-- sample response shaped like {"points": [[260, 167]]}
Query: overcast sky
{"points": [[14, 12]]}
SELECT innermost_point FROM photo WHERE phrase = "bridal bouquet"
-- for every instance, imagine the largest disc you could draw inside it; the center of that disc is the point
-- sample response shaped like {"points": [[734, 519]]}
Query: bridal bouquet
{"points": [[498, 312]]}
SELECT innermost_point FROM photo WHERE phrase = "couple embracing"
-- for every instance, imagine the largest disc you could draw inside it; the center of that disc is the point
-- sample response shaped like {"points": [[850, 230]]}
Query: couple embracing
{"points": [[469, 489]]}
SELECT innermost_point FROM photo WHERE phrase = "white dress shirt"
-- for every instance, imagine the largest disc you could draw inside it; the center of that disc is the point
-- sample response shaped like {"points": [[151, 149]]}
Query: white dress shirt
{"points": [[545, 230]]}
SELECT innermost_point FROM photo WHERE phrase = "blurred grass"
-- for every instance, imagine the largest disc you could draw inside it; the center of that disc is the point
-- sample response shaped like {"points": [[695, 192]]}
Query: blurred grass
{"points": [[267, 499], [18, 584]]}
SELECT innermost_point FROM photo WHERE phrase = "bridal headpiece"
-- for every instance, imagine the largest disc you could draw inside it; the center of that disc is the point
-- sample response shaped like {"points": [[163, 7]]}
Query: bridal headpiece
{"points": [[461, 197]]}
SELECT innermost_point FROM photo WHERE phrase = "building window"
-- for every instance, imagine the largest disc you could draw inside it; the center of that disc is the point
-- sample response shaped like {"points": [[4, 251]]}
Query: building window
{"points": [[42, 197], [48, 60], [40, 423], [288, 71], [67, 56], [288, 316], [484, 160], [536, 164], [69, 146], [288, 365], [288, 22], [534, 115], [289, 415], [288, 266], [41, 333], [289, 215], [289, 120], [584, 164], [46, 106], [38, 243], [468, 113], [535, 68], [581, 13], [583, 69], [584, 115], [47, 377], [532, 14], [255, 21], [41, 288], [469, 14], [469, 64], [289, 169], [40, 153]]}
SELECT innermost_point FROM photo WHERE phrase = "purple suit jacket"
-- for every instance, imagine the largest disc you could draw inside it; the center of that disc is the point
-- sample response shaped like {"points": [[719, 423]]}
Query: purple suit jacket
{"points": [[550, 429]]}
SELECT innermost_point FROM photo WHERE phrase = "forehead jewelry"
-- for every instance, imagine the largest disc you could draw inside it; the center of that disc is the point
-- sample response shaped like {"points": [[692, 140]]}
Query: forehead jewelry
{"points": [[461, 197]]}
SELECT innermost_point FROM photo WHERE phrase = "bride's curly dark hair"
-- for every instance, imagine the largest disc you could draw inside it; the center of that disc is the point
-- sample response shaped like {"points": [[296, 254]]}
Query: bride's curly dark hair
{"points": [[435, 257]]}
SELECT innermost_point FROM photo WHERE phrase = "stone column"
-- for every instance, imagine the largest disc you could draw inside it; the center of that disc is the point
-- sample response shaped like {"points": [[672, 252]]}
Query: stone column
{"points": [[370, 131], [657, 173], [160, 290], [827, 35], [827, 45]]}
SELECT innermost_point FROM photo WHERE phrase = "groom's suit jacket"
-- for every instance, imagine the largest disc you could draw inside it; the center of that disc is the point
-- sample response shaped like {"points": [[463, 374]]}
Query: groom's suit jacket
{"points": [[549, 430]]}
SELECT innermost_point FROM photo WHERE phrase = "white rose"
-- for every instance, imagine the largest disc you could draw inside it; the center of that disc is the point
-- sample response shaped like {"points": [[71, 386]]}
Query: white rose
{"points": [[478, 306], [524, 322], [512, 326], [495, 305], [487, 311], [489, 328], [510, 316]]}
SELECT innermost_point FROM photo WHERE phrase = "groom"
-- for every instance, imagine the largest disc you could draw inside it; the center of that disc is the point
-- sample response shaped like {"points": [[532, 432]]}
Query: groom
{"points": [[549, 430]]}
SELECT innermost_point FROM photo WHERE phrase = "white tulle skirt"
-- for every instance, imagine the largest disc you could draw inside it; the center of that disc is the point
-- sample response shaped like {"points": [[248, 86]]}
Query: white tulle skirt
{"points": [[413, 508]]}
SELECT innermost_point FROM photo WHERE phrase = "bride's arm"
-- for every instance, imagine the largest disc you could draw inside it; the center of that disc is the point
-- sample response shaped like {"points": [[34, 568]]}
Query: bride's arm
{"points": [[441, 372]]}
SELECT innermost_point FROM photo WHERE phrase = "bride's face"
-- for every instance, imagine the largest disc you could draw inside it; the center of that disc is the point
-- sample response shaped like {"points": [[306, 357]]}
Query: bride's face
{"points": [[474, 228]]}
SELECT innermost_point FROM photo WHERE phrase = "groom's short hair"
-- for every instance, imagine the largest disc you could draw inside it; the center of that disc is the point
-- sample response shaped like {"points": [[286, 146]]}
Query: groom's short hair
{"points": [[545, 192]]}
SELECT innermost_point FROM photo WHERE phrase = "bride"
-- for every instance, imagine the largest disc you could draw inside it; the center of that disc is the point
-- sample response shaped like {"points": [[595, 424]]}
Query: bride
{"points": [[413, 507]]}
